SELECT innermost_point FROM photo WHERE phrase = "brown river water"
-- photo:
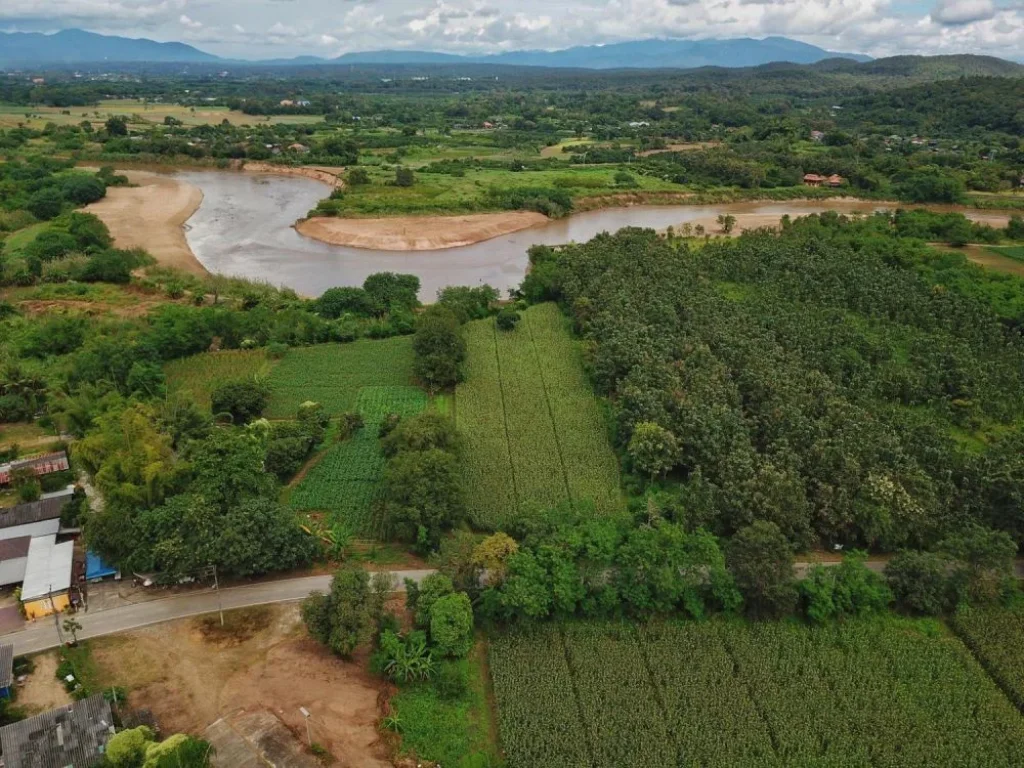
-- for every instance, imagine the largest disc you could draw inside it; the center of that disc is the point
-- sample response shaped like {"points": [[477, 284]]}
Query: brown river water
{"points": [[244, 228]]}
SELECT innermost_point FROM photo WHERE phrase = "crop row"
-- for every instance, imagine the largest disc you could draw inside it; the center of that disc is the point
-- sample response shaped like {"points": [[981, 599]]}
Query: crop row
{"points": [[334, 374], [582, 436], [880, 692], [346, 480], [534, 430], [996, 636], [480, 413]]}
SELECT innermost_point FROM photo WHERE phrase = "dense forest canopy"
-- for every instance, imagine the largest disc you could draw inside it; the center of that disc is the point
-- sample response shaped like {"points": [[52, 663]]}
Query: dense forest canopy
{"points": [[821, 379]]}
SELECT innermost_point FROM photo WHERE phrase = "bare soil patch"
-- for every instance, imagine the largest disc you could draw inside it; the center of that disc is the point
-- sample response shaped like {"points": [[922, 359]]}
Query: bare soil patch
{"points": [[42, 691], [191, 673], [328, 174], [417, 233], [152, 215]]}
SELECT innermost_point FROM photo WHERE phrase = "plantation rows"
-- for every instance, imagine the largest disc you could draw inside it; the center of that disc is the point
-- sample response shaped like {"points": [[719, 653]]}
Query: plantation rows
{"points": [[199, 375], [333, 374], [880, 692], [346, 480], [534, 431], [996, 636]]}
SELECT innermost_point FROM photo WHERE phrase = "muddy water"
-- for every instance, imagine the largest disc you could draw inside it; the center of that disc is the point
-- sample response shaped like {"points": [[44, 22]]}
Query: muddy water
{"points": [[244, 228]]}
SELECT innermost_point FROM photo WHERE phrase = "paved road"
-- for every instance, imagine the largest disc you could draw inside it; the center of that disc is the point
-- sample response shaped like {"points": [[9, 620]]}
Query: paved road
{"points": [[42, 634]]}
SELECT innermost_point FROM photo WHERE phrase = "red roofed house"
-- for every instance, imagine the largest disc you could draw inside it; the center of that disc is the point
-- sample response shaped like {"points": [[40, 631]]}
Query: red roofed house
{"points": [[813, 180]]}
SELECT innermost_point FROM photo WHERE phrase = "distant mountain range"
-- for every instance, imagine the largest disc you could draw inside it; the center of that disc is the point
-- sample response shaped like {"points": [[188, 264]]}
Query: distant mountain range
{"points": [[77, 47]]}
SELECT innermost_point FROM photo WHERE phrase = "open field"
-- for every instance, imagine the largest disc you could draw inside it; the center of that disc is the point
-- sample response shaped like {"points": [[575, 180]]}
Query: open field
{"points": [[140, 114], [885, 691], [1015, 252], [345, 482], [198, 376], [192, 672], [443, 193], [534, 431], [334, 374]]}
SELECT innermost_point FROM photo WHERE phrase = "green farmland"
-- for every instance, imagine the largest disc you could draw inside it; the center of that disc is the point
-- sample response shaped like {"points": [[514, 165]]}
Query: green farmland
{"points": [[534, 432], [885, 691]]}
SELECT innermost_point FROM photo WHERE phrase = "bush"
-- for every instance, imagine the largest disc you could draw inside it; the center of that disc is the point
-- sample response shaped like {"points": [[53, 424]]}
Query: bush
{"points": [[336, 302], [452, 681], [508, 319], [761, 560], [244, 400], [451, 625], [920, 582], [839, 592]]}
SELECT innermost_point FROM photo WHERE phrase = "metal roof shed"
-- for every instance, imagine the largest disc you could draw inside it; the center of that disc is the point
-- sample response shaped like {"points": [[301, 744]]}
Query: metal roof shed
{"points": [[6, 666], [48, 569], [75, 735]]}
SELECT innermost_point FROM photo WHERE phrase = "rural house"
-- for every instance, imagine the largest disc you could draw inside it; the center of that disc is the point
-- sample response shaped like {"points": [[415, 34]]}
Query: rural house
{"points": [[73, 736], [47, 585], [40, 465], [814, 180], [35, 518]]}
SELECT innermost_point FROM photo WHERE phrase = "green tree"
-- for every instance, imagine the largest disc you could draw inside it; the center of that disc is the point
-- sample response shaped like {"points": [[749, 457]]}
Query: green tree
{"points": [[357, 177], [243, 400], [422, 495], [343, 619], [726, 222], [117, 125], [127, 749], [423, 432], [404, 177], [336, 302], [420, 600], [761, 560], [439, 348], [508, 319], [451, 625], [653, 449], [921, 583]]}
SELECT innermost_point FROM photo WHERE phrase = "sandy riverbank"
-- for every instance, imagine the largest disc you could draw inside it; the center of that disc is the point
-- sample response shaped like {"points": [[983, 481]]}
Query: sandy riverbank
{"points": [[418, 233], [152, 215], [328, 174]]}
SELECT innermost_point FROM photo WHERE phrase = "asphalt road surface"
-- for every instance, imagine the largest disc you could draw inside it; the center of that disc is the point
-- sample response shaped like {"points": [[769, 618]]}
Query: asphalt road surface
{"points": [[41, 634]]}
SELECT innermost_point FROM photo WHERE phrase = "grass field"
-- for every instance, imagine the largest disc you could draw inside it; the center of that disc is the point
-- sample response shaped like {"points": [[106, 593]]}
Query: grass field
{"points": [[346, 480], [139, 112], [534, 431], [329, 374], [334, 374], [878, 692], [440, 193], [198, 376]]}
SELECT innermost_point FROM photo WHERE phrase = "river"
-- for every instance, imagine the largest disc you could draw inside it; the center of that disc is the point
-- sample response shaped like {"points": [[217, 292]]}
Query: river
{"points": [[244, 228]]}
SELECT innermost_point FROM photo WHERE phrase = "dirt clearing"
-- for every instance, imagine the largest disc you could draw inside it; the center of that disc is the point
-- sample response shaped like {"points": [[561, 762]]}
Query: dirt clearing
{"points": [[418, 233], [42, 690], [191, 673], [152, 216]]}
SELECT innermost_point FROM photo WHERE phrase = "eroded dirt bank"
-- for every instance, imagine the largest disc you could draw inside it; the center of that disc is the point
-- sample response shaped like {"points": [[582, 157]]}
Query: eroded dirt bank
{"points": [[418, 233]]}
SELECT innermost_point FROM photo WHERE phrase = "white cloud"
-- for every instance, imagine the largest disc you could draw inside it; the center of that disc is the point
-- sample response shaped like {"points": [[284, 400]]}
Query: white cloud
{"points": [[963, 11], [272, 28]]}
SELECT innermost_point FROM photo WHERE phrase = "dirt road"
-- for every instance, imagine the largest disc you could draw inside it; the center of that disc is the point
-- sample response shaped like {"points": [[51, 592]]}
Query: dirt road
{"points": [[152, 216]]}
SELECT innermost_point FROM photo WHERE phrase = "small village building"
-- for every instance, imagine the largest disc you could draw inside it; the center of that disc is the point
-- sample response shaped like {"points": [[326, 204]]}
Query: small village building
{"points": [[287, 103], [72, 736], [813, 180], [36, 518], [47, 585], [40, 465], [301, 148], [817, 136], [13, 560], [6, 669]]}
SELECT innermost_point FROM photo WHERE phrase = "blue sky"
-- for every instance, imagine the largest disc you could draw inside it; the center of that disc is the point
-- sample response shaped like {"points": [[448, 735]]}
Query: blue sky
{"points": [[270, 28]]}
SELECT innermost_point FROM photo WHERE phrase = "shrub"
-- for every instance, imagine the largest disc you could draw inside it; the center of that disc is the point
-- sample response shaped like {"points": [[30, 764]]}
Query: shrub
{"points": [[508, 319], [451, 625]]}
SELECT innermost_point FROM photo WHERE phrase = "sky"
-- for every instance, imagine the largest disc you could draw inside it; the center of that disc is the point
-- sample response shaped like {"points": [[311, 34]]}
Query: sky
{"points": [[255, 29]]}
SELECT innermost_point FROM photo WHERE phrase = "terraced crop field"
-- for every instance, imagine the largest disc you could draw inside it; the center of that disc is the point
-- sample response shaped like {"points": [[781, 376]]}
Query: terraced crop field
{"points": [[346, 480], [534, 431], [886, 691]]}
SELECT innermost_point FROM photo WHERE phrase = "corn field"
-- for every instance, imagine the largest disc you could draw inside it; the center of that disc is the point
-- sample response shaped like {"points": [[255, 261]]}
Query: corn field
{"points": [[534, 430], [881, 692]]}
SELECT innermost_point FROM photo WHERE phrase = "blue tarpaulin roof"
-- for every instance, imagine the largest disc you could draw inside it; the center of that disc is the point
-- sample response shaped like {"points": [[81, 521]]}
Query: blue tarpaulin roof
{"points": [[95, 568]]}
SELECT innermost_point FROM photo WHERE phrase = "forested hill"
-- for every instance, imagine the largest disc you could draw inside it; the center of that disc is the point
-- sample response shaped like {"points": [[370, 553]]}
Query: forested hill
{"points": [[925, 67]]}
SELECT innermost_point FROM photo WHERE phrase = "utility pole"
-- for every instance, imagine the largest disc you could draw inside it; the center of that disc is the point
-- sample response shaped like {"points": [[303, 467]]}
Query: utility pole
{"points": [[216, 588], [309, 736], [53, 611]]}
